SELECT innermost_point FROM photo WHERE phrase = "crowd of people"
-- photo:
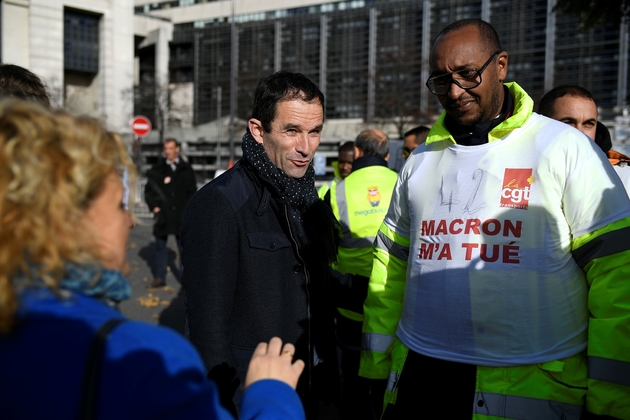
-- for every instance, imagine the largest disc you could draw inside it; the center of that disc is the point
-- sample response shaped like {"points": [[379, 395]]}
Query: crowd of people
{"points": [[489, 277]]}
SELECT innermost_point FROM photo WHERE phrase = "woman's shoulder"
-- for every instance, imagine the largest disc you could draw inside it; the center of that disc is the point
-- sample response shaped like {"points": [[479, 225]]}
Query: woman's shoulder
{"points": [[147, 370], [163, 342], [41, 305]]}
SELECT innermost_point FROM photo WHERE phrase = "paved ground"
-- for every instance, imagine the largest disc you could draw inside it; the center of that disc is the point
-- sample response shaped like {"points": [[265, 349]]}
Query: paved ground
{"points": [[164, 306]]}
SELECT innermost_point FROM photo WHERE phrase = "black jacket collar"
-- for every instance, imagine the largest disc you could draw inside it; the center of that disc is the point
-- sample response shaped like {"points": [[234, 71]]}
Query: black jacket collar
{"points": [[365, 161], [478, 134]]}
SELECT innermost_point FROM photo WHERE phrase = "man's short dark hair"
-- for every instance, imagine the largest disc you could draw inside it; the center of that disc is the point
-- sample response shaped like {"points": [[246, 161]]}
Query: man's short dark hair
{"points": [[420, 132], [282, 86], [602, 137], [169, 140], [489, 37], [372, 143], [548, 101], [346, 147], [17, 82]]}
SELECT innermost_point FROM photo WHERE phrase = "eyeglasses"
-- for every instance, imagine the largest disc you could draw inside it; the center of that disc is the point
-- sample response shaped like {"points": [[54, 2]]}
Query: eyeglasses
{"points": [[465, 79]]}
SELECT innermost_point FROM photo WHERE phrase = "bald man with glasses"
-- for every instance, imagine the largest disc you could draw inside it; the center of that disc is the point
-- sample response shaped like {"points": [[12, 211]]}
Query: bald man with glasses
{"points": [[499, 284]]}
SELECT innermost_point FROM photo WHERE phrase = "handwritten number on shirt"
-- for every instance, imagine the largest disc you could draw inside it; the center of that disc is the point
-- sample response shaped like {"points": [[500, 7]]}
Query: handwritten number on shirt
{"points": [[477, 177]]}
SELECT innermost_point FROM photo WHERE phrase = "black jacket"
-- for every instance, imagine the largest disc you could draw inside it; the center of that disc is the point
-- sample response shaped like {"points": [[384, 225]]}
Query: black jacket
{"points": [[246, 280], [170, 191]]}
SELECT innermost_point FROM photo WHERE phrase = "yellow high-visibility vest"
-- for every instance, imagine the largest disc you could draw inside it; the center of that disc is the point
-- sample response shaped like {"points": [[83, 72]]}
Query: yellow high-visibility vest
{"points": [[360, 203]]}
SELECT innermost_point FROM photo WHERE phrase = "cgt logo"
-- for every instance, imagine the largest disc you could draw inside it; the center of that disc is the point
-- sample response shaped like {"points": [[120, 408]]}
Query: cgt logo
{"points": [[516, 188]]}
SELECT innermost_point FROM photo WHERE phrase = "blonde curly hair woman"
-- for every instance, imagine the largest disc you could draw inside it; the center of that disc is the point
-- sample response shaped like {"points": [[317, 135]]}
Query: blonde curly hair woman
{"points": [[63, 234]]}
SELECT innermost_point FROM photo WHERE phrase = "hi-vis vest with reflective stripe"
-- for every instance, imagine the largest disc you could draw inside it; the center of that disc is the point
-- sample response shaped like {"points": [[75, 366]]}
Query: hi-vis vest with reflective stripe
{"points": [[360, 203], [553, 389]]}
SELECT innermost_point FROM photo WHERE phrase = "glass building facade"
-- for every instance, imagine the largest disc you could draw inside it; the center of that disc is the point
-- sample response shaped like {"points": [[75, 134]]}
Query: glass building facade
{"points": [[371, 57]]}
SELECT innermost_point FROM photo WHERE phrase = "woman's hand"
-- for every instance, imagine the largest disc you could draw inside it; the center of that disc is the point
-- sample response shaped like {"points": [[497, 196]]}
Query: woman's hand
{"points": [[274, 361]]}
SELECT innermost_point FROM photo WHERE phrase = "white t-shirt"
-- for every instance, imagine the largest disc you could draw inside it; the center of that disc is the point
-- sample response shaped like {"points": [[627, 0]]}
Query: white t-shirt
{"points": [[491, 279]]}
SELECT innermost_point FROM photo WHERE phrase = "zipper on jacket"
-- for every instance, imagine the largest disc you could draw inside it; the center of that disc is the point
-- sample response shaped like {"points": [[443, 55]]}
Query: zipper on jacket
{"points": [[308, 300]]}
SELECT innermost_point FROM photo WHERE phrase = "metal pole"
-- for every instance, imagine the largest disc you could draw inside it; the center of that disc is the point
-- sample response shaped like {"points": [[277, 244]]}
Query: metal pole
{"points": [[371, 66], [424, 62], [197, 88], [219, 125], [622, 78], [277, 61], [323, 52], [485, 10], [233, 72], [137, 153], [550, 46]]}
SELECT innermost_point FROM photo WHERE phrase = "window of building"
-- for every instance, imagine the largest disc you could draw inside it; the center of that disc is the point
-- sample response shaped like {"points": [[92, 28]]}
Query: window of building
{"points": [[81, 41]]}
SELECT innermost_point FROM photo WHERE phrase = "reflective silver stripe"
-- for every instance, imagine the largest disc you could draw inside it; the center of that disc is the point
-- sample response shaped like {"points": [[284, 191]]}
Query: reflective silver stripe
{"points": [[356, 242], [392, 381], [604, 245], [523, 408], [376, 342], [608, 370], [392, 248], [342, 205]]}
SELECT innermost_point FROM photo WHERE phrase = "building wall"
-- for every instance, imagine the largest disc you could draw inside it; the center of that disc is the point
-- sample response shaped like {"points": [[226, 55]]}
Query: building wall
{"points": [[46, 44], [220, 8], [119, 62], [15, 33], [33, 37]]}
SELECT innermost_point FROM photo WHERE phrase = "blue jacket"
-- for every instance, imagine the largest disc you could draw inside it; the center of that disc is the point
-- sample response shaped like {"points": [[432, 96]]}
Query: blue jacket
{"points": [[147, 371]]}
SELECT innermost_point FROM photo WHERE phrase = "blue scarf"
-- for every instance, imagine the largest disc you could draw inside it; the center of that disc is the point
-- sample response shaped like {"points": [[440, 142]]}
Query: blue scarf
{"points": [[110, 285]]}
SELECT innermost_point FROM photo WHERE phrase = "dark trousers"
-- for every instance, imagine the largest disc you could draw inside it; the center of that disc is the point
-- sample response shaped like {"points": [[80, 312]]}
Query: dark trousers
{"points": [[434, 388], [362, 398], [160, 257]]}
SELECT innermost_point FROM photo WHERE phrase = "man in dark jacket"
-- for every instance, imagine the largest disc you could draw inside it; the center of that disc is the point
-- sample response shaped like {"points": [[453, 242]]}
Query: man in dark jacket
{"points": [[257, 244], [170, 184]]}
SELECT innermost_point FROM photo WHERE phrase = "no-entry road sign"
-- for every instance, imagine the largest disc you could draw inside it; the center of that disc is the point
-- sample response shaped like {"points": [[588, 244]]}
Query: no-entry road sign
{"points": [[141, 126]]}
